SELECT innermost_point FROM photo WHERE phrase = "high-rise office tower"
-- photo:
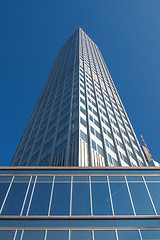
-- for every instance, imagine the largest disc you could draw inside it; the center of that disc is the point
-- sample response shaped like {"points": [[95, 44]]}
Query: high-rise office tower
{"points": [[68, 178], [79, 119]]}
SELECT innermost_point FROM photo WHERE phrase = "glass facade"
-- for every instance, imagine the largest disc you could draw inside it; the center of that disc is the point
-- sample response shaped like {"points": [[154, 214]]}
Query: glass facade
{"points": [[92, 181], [76, 203]]}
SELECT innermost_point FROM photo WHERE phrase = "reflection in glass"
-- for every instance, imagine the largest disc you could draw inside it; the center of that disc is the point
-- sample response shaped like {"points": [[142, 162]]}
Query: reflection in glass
{"points": [[5, 178], [79, 235], [62, 178], [104, 234], [21, 178], [154, 189], [57, 235], [116, 178], [3, 191], [33, 235], [81, 199], [121, 201], [61, 199], [6, 235], [150, 234], [98, 178], [80, 178], [101, 199], [27, 199], [135, 178], [40, 200], [44, 179], [141, 200], [14, 201], [128, 235]]}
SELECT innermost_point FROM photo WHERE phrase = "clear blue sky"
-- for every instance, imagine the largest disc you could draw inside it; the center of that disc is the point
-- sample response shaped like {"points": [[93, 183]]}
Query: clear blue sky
{"points": [[31, 33]]}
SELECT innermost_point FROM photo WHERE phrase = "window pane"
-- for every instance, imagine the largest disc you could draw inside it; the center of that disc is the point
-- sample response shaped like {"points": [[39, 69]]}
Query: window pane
{"points": [[62, 179], [61, 199], [154, 189], [131, 235], [27, 199], [79, 235], [150, 234], [139, 194], [121, 201], [3, 191], [101, 200], [40, 201], [15, 199], [57, 235], [99, 178], [33, 235], [80, 178], [6, 235], [104, 235], [81, 199]]}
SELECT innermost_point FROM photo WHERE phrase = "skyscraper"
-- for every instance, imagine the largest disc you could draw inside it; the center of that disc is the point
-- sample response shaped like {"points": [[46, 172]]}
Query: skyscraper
{"points": [[79, 172], [79, 119]]}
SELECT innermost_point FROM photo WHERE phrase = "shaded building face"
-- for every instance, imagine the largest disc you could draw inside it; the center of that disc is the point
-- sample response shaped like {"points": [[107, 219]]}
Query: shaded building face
{"points": [[79, 119]]}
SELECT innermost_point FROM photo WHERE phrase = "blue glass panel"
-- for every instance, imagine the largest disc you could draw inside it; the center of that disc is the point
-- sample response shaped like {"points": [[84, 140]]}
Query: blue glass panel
{"points": [[44, 179], [41, 198], [135, 178], [150, 234], [141, 200], [104, 235], [61, 199], [63, 179], [121, 201], [57, 235], [3, 191], [18, 235], [128, 235], [27, 199], [154, 189], [79, 235], [152, 178], [14, 202], [80, 178], [5, 178], [6, 235], [99, 178], [116, 178], [101, 199], [81, 199], [21, 178], [33, 235]]}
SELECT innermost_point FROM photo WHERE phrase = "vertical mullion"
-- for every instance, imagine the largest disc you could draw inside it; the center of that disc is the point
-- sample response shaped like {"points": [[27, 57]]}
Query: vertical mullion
{"points": [[71, 193], [110, 195], [50, 202], [130, 196], [31, 196], [26, 195]]}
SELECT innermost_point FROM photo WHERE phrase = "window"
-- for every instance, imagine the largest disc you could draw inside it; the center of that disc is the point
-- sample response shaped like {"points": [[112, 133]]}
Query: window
{"points": [[82, 101], [96, 122], [98, 135], [100, 150], [83, 110], [94, 145], [83, 136], [91, 118], [83, 122], [92, 130]]}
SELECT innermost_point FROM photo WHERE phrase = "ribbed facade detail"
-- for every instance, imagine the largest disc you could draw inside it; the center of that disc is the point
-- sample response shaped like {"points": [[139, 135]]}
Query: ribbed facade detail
{"points": [[79, 119]]}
